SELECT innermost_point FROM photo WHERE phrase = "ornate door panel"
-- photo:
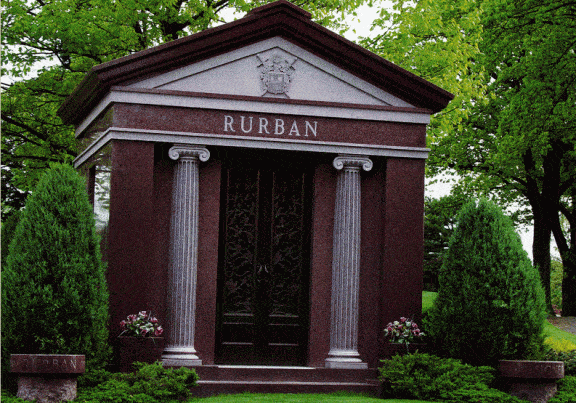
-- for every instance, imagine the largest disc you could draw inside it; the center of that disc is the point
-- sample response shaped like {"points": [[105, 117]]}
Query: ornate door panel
{"points": [[264, 265]]}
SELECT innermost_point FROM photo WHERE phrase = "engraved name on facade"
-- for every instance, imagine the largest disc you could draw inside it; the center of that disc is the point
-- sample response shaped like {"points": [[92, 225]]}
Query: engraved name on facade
{"points": [[276, 126]]}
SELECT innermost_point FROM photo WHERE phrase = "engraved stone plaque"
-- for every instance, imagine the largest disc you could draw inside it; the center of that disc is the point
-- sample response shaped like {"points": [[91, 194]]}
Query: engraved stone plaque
{"points": [[47, 364]]}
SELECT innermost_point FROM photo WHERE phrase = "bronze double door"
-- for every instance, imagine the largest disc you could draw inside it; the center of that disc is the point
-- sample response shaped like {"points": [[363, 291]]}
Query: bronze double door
{"points": [[264, 259]]}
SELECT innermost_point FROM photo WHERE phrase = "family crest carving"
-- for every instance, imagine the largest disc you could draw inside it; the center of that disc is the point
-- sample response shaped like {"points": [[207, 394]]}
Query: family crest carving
{"points": [[276, 73]]}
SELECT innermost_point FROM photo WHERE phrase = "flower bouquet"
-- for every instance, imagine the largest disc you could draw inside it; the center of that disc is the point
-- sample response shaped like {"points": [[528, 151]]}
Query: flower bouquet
{"points": [[404, 331], [140, 340], [141, 325]]}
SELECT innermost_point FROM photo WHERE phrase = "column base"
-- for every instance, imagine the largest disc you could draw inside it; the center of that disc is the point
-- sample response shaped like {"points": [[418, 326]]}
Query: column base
{"points": [[345, 364], [344, 359], [180, 357]]}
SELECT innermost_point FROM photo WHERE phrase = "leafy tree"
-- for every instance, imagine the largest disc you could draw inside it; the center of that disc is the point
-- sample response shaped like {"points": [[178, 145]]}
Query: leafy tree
{"points": [[490, 304], [58, 41], [54, 298], [32, 137], [439, 224], [535, 92], [510, 131]]}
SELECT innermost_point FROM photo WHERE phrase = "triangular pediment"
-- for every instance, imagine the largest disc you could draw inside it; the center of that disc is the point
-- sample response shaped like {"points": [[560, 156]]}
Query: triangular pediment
{"points": [[225, 60], [272, 68]]}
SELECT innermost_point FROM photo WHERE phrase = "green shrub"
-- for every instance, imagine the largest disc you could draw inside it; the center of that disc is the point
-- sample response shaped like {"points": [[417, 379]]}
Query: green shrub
{"points": [[54, 298], [481, 395], [93, 377], [9, 398], [490, 303], [151, 383], [113, 391], [428, 377], [560, 345], [566, 391], [568, 357]]}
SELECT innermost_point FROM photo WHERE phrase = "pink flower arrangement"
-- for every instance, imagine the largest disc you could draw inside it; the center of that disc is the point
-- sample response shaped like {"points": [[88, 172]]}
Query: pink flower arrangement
{"points": [[403, 331], [141, 325]]}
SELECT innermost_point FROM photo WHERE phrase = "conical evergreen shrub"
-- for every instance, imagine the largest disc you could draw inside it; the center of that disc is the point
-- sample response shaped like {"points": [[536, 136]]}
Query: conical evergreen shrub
{"points": [[490, 303], [54, 295]]}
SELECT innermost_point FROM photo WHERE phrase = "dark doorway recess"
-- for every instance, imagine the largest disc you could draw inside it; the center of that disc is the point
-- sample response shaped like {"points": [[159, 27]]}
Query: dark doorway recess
{"points": [[264, 260]]}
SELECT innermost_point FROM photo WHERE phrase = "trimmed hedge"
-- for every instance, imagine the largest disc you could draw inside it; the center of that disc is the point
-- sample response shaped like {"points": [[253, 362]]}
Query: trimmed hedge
{"points": [[54, 297], [490, 303], [150, 383], [428, 377]]}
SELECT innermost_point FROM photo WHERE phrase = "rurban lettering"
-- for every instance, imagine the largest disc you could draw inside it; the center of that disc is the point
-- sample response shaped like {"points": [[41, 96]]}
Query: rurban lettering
{"points": [[277, 126]]}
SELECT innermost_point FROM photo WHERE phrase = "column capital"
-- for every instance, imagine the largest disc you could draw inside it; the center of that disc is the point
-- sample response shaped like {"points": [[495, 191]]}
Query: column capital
{"points": [[188, 151], [352, 161]]}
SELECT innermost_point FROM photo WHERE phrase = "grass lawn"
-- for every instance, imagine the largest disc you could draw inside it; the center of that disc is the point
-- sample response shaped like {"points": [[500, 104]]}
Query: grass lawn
{"points": [[428, 298], [552, 332], [300, 398]]}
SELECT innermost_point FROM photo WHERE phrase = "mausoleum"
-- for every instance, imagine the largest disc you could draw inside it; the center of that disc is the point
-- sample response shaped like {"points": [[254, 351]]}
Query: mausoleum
{"points": [[260, 187]]}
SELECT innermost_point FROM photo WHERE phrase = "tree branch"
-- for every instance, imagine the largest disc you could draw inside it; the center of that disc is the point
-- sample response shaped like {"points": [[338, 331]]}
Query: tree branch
{"points": [[38, 134]]}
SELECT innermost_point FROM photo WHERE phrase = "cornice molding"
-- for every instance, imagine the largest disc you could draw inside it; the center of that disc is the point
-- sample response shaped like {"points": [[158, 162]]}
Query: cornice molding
{"points": [[199, 139]]}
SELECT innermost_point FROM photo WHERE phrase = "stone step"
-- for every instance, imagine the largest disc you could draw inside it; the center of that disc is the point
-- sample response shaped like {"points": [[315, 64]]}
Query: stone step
{"points": [[237, 379]]}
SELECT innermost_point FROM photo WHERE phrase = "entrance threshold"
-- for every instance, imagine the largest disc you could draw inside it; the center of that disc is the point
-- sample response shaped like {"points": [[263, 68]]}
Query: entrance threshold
{"points": [[261, 367], [218, 379]]}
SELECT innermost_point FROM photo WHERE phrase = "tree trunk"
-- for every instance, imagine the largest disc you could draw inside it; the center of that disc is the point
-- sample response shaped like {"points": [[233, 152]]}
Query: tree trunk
{"points": [[566, 243], [567, 248], [546, 206], [569, 284], [541, 253]]}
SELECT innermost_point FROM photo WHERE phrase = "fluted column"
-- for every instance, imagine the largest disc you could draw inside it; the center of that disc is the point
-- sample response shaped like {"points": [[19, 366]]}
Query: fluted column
{"points": [[346, 264], [180, 350]]}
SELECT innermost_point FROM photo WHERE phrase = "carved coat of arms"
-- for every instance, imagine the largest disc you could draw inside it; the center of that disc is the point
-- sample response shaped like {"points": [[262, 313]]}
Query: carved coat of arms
{"points": [[275, 74]]}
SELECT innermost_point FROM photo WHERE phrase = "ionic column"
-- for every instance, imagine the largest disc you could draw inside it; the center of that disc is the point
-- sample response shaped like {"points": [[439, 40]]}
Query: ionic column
{"points": [[179, 349], [346, 264]]}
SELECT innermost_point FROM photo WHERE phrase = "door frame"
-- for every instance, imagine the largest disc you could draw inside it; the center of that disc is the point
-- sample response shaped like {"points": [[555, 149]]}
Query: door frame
{"points": [[234, 159]]}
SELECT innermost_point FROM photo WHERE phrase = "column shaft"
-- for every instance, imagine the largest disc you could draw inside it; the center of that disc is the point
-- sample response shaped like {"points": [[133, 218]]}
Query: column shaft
{"points": [[346, 265], [180, 349]]}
